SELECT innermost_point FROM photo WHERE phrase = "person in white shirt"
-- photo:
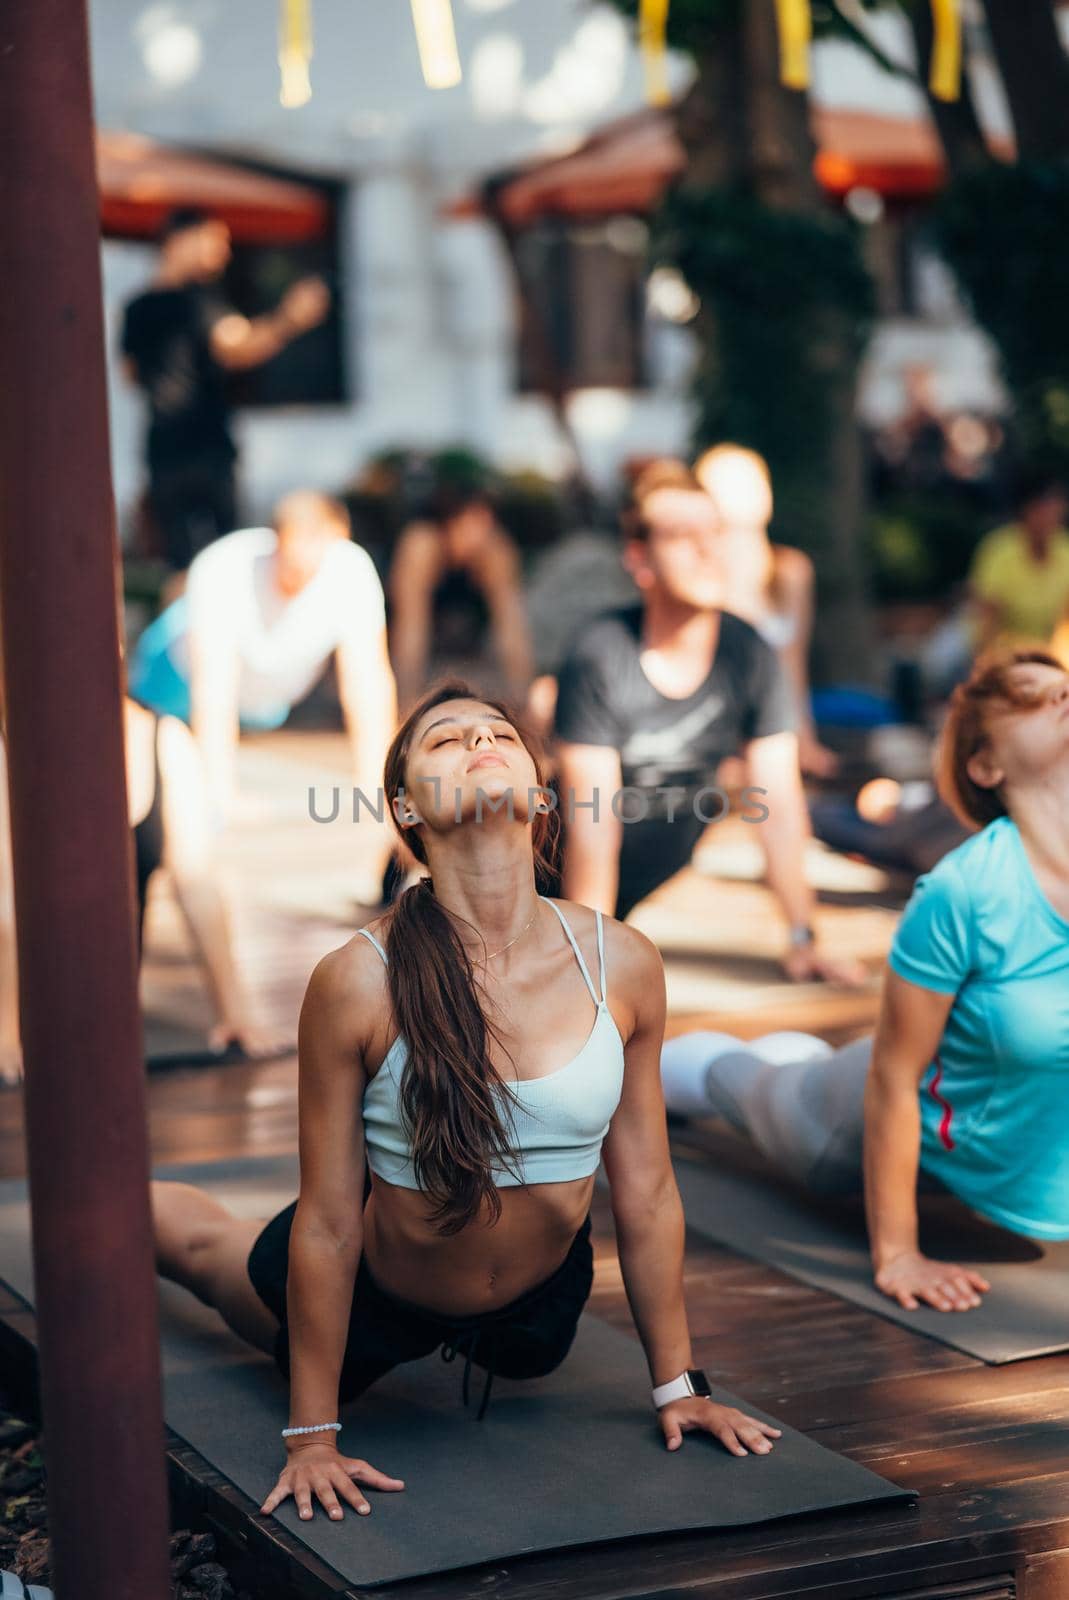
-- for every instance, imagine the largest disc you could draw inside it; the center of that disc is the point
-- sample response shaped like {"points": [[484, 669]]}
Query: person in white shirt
{"points": [[263, 612]]}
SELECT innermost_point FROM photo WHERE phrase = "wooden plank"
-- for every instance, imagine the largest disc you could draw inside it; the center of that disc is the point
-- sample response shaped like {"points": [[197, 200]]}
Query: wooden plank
{"points": [[1046, 1577], [986, 1446]]}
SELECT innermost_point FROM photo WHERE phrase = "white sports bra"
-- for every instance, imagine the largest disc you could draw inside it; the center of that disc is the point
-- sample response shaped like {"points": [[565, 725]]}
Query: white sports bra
{"points": [[559, 1121]]}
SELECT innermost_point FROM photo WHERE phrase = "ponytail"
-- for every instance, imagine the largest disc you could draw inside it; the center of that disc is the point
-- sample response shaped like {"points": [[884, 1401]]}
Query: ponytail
{"points": [[451, 1096]]}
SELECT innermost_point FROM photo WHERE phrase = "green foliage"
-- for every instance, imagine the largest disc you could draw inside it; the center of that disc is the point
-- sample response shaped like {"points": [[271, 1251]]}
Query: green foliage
{"points": [[787, 308], [921, 544], [1005, 232], [787, 304]]}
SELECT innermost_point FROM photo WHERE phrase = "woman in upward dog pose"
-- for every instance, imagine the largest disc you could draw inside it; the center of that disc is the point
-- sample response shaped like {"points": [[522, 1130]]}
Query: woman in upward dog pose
{"points": [[480, 1048], [964, 1086]]}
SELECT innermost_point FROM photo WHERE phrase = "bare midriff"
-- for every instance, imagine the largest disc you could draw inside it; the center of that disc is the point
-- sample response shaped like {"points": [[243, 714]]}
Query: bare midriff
{"points": [[486, 1265]]}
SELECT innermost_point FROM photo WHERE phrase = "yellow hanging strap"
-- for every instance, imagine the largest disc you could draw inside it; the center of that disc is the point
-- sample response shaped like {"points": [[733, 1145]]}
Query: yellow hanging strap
{"points": [[795, 33], [652, 39], [436, 36], [295, 52], [944, 76]]}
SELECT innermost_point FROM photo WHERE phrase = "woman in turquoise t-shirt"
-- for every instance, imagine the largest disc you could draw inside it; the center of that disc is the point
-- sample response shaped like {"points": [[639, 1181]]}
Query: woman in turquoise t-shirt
{"points": [[967, 1080]]}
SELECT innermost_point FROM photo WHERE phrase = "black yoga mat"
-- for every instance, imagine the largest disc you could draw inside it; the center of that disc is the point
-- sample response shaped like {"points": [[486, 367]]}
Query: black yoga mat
{"points": [[572, 1459], [171, 1047], [731, 1195]]}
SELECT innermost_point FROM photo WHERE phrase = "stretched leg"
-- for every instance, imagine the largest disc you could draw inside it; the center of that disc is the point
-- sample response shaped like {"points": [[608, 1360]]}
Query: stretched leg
{"points": [[205, 1248], [691, 1085], [800, 1102]]}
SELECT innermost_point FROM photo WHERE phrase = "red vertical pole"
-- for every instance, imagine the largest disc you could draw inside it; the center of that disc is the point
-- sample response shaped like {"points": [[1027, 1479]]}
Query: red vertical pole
{"points": [[85, 1090]]}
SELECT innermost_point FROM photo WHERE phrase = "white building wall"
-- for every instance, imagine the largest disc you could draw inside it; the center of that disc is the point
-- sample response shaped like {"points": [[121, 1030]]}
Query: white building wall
{"points": [[430, 316], [431, 356]]}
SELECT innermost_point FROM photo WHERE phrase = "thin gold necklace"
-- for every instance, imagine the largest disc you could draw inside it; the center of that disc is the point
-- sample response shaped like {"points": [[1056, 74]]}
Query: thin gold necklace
{"points": [[517, 939]]}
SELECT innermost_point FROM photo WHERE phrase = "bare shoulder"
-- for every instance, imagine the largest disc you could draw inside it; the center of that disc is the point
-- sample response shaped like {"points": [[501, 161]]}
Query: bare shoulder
{"points": [[634, 970], [347, 998], [631, 954]]}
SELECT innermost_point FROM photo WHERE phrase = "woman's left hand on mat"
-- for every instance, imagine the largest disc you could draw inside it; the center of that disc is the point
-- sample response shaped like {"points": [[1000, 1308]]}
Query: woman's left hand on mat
{"points": [[912, 1278], [738, 1433]]}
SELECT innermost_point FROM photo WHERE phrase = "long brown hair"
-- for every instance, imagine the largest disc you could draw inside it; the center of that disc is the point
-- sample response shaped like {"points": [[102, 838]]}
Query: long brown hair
{"points": [[456, 1110], [990, 687]]}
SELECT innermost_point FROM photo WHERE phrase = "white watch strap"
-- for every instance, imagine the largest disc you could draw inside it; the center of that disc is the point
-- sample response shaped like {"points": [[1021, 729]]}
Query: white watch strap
{"points": [[678, 1389]]}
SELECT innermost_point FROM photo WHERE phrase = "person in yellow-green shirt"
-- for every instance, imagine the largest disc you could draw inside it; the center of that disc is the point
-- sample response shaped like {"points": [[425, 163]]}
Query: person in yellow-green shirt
{"points": [[1019, 579]]}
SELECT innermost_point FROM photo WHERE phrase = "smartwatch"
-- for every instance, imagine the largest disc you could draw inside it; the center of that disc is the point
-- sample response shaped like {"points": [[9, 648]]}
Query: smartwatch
{"points": [[690, 1383], [801, 936]]}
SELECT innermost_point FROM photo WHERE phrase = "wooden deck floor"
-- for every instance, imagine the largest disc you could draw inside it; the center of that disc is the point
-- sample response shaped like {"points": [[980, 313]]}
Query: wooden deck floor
{"points": [[987, 1449]]}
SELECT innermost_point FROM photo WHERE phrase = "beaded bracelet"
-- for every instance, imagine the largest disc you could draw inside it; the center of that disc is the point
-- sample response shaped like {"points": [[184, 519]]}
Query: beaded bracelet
{"points": [[318, 1427]]}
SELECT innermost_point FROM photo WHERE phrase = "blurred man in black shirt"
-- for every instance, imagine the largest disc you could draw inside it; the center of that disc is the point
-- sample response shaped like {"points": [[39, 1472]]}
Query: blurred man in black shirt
{"points": [[652, 698], [179, 341]]}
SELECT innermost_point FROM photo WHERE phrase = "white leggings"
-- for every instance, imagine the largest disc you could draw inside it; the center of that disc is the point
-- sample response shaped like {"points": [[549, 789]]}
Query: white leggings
{"points": [[797, 1099]]}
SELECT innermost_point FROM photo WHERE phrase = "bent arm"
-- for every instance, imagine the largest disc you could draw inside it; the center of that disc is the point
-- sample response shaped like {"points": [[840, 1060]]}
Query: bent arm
{"points": [[239, 343], [773, 767], [327, 1234], [646, 1207], [910, 1028], [588, 776]]}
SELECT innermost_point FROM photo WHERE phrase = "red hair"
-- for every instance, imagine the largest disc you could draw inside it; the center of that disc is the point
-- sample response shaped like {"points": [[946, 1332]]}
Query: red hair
{"points": [[989, 688]]}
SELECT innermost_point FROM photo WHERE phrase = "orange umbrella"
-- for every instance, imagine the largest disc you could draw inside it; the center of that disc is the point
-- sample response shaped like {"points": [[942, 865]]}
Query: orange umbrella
{"points": [[141, 181], [627, 165]]}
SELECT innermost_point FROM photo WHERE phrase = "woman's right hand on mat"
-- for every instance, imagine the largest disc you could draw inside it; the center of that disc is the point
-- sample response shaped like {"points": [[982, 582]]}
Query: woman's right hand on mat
{"points": [[737, 1432], [320, 1471], [912, 1278]]}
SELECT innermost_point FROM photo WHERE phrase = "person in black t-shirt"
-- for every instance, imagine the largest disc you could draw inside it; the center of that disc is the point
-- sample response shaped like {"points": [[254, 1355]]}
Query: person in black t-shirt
{"points": [[652, 698], [179, 341]]}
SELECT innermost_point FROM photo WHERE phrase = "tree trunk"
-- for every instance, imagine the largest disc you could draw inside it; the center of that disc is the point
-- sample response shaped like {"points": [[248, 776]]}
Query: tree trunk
{"points": [[956, 122], [711, 120], [1035, 71], [781, 149], [781, 155]]}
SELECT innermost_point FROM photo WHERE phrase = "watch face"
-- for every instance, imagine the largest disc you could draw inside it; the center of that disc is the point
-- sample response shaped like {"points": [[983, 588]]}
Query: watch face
{"points": [[699, 1383]]}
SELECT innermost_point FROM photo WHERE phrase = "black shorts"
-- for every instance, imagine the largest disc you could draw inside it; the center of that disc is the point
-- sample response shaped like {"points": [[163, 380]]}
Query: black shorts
{"points": [[528, 1338]]}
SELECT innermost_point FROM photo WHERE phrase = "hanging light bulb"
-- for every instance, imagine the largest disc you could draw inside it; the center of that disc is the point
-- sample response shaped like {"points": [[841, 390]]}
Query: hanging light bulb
{"points": [[653, 40], [944, 73], [795, 32], [437, 40], [295, 52]]}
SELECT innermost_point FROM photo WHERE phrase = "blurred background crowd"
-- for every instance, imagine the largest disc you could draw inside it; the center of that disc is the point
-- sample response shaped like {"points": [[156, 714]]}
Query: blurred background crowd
{"points": [[385, 359]]}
